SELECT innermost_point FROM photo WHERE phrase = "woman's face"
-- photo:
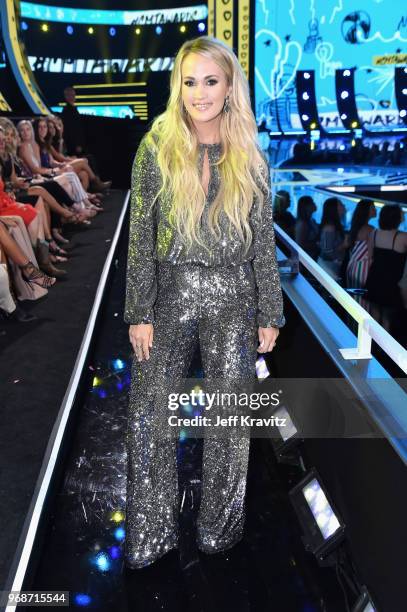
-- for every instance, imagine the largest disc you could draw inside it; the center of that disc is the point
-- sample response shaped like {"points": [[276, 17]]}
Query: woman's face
{"points": [[60, 125], [204, 88], [25, 131], [372, 211], [42, 130], [10, 136], [51, 128]]}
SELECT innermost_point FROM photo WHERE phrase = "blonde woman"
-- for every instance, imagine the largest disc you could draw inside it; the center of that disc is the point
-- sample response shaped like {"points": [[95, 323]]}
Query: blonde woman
{"points": [[201, 272]]}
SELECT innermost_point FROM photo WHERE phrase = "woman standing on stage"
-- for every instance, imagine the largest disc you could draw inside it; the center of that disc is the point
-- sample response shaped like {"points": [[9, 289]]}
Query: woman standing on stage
{"points": [[201, 271]]}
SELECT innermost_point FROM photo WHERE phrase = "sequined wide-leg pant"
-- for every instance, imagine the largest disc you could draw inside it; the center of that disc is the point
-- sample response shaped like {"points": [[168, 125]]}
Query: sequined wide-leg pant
{"points": [[215, 308]]}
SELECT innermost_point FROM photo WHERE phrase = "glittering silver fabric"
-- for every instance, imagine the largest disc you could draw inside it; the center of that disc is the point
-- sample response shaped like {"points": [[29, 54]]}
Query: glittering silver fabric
{"points": [[153, 240], [217, 304]]}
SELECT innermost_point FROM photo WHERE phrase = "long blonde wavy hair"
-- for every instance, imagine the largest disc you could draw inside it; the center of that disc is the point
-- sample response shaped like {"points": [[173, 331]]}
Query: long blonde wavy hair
{"points": [[241, 166]]}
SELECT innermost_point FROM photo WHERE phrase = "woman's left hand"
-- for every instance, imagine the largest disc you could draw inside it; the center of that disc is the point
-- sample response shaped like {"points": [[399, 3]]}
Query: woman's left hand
{"points": [[267, 339]]}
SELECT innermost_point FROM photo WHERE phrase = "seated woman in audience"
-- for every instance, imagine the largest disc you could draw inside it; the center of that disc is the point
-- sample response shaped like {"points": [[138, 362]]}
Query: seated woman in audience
{"points": [[306, 228], [53, 194], [10, 310], [30, 154], [46, 134], [389, 246], [35, 220], [360, 253], [281, 214], [333, 242]]}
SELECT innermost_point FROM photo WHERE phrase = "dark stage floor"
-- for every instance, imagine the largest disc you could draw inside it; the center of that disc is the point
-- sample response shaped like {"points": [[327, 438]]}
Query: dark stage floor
{"points": [[36, 362], [82, 553]]}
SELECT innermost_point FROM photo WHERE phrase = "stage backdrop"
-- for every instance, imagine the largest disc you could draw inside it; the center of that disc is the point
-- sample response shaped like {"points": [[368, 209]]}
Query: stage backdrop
{"points": [[324, 35]]}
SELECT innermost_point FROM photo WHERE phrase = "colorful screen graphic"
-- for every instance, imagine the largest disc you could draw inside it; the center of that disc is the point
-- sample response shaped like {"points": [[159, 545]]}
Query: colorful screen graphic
{"points": [[324, 35]]}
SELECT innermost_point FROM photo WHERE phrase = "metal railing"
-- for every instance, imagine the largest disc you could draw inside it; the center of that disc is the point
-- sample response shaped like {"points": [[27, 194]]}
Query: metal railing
{"points": [[368, 328]]}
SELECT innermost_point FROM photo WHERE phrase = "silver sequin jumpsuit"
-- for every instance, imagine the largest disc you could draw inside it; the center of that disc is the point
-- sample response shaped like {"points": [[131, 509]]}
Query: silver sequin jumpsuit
{"points": [[217, 302]]}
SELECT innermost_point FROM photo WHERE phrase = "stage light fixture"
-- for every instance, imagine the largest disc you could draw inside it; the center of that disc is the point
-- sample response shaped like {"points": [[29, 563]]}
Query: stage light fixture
{"points": [[346, 73], [82, 599], [404, 91], [286, 442], [342, 147], [344, 95], [69, 30], [344, 116], [183, 28], [403, 112], [201, 27], [364, 603], [262, 370], [91, 30], [305, 117], [137, 31], [322, 527], [307, 75], [313, 125], [158, 30], [305, 95], [112, 31], [354, 124], [44, 27], [24, 25], [306, 99]]}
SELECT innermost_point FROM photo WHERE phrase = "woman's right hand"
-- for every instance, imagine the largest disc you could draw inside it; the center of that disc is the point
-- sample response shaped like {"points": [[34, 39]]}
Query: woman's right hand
{"points": [[141, 338]]}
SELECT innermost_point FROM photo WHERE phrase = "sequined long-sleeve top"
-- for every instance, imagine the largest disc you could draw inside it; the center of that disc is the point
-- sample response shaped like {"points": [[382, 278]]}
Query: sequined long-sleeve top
{"points": [[153, 240]]}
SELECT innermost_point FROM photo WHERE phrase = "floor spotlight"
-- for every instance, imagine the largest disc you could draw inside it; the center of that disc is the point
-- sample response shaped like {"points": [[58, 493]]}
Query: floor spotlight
{"points": [[322, 527], [364, 603]]}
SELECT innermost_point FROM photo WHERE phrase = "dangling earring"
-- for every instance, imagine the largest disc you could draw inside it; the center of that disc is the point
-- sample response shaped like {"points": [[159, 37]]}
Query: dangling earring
{"points": [[226, 106]]}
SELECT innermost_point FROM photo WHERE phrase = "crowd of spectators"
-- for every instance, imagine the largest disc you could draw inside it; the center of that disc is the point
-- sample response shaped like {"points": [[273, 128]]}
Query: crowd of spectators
{"points": [[369, 262], [42, 190]]}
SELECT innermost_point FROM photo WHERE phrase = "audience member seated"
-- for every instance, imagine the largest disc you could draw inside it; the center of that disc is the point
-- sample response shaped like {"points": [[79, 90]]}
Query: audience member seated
{"points": [[385, 283], [333, 241], [281, 214], [9, 309], [306, 228], [360, 253]]}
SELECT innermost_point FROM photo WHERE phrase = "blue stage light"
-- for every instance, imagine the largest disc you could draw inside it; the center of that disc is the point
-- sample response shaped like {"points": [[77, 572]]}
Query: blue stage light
{"points": [[69, 30], [305, 95], [346, 73], [112, 31], [81, 599], [102, 562], [344, 95], [24, 25], [119, 534], [158, 30], [201, 27], [114, 552], [118, 364]]}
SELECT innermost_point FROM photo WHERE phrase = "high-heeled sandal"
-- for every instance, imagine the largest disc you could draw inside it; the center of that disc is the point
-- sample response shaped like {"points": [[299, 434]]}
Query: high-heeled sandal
{"points": [[33, 276], [58, 236], [57, 258]]}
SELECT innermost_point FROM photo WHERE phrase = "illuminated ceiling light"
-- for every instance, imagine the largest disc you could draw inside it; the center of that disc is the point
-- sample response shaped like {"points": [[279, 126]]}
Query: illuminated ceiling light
{"points": [[137, 31], [183, 28], [322, 527], [201, 27], [305, 95], [158, 30], [44, 27], [304, 117], [346, 73], [307, 75], [344, 95], [69, 30], [403, 112], [112, 31], [354, 124], [313, 125], [24, 25], [91, 30], [404, 91], [344, 116]]}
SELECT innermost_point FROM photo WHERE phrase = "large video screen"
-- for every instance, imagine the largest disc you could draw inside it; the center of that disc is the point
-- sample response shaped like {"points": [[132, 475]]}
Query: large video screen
{"points": [[324, 35], [118, 56]]}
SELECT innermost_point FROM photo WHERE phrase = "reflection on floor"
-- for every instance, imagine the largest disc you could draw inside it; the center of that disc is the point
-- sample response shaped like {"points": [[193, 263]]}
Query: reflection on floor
{"points": [[268, 570]]}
